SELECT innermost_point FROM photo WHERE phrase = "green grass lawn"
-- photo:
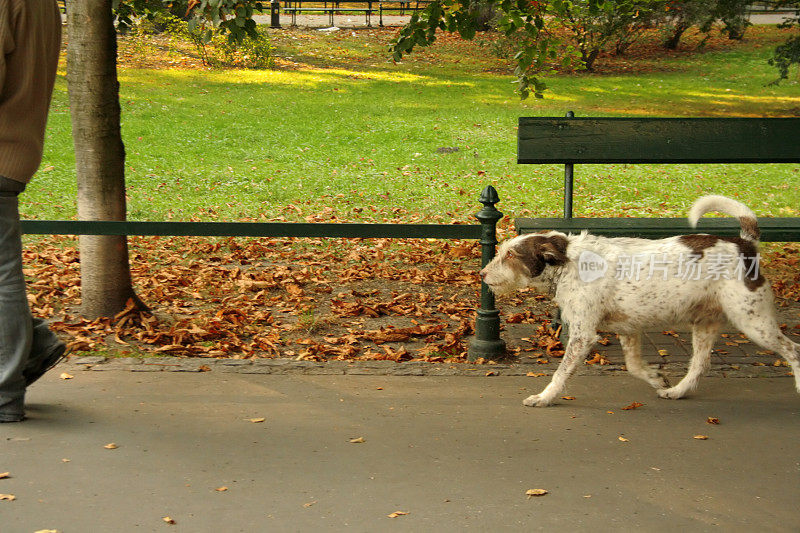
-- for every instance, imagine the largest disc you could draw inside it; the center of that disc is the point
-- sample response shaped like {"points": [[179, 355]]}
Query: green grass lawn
{"points": [[338, 132]]}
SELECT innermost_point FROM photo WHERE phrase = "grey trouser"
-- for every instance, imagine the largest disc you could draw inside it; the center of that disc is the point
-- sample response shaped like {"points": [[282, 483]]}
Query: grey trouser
{"points": [[23, 339]]}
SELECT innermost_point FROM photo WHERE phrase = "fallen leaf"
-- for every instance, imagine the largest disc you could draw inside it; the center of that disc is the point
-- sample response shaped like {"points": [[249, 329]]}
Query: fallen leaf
{"points": [[221, 489], [111, 446], [712, 420], [622, 439], [5, 475], [568, 397], [204, 368], [168, 520], [8, 497], [663, 353], [257, 420], [530, 493], [491, 373], [64, 375], [396, 514], [700, 437], [309, 504], [634, 405], [357, 440], [47, 531], [535, 374]]}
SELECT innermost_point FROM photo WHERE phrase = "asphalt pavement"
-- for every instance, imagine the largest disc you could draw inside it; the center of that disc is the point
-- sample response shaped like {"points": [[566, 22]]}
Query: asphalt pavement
{"points": [[120, 451]]}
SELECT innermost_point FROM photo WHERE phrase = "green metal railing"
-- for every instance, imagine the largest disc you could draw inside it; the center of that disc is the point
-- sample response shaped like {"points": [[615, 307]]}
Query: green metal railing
{"points": [[486, 343]]}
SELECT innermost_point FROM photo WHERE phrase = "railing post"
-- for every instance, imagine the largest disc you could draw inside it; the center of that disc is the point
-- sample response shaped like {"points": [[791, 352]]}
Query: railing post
{"points": [[275, 14], [568, 180], [487, 342]]}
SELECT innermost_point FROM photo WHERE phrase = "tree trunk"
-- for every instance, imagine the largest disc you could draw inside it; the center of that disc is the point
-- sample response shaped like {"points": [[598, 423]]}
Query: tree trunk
{"points": [[99, 154], [672, 42]]}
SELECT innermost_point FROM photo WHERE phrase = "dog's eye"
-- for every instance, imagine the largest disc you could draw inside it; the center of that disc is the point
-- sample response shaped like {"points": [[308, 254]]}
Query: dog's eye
{"points": [[510, 254]]}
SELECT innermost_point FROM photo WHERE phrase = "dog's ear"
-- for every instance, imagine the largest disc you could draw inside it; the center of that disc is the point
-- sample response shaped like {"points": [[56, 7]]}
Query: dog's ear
{"points": [[554, 250]]}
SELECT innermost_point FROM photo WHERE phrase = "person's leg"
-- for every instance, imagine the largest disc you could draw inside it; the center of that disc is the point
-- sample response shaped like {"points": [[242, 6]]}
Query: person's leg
{"points": [[16, 325], [46, 351]]}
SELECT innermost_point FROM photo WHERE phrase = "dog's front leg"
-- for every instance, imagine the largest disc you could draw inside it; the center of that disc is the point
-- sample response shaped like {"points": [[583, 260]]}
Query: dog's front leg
{"points": [[577, 349]]}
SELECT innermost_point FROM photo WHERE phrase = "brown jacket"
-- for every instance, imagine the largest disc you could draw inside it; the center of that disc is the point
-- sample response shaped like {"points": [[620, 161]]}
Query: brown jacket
{"points": [[30, 41]]}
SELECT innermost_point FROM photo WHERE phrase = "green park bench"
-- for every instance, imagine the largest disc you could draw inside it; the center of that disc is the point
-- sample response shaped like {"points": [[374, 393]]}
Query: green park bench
{"points": [[572, 140]]}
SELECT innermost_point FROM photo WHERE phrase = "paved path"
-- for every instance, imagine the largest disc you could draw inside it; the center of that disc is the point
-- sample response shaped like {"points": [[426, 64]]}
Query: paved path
{"points": [[455, 453]]}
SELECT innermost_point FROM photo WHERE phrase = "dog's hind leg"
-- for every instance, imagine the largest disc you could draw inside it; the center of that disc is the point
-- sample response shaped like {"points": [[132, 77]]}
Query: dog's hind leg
{"points": [[632, 348], [703, 337], [577, 349], [755, 317], [768, 334]]}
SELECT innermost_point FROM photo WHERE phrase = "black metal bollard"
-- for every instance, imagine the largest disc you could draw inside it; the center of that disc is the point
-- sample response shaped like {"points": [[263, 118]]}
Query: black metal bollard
{"points": [[275, 14], [487, 342]]}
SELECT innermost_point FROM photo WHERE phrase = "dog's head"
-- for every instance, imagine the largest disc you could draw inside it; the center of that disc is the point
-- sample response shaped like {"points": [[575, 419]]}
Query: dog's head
{"points": [[521, 262]]}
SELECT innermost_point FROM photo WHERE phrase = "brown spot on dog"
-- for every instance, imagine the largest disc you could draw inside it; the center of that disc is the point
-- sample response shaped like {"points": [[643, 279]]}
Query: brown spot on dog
{"points": [[750, 228], [697, 243], [748, 253], [537, 252]]}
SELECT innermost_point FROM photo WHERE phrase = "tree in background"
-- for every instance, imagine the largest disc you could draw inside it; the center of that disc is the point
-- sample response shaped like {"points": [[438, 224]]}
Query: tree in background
{"points": [[787, 54], [571, 33], [106, 286]]}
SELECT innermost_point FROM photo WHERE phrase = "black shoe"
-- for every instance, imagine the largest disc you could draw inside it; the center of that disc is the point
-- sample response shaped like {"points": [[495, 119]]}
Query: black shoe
{"points": [[58, 354], [18, 418]]}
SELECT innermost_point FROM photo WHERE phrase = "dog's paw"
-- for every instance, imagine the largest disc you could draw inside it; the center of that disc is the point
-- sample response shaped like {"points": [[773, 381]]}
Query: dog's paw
{"points": [[537, 400], [670, 394]]}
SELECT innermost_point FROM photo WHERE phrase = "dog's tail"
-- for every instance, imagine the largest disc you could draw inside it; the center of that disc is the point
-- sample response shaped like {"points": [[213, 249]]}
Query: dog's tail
{"points": [[722, 204]]}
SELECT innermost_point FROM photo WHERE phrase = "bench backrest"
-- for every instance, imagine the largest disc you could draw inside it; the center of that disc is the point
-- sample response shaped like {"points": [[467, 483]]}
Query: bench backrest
{"points": [[658, 140]]}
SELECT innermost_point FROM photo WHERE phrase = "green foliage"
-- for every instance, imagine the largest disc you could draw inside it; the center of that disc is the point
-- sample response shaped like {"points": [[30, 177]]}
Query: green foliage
{"points": [[250, 52], [787, 54], [205, 17]]}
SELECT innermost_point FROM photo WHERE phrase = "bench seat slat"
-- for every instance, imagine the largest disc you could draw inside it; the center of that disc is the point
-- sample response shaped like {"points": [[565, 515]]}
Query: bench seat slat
{"points": [[658, 140], [772, 229]]}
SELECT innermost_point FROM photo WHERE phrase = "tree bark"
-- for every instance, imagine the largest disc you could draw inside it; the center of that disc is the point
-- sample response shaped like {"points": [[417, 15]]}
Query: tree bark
{"points": [[99, 154]]}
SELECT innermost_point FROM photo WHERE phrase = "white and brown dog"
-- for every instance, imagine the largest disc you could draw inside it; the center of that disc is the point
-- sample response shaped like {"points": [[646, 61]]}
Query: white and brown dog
{"points": [[627, 285]]}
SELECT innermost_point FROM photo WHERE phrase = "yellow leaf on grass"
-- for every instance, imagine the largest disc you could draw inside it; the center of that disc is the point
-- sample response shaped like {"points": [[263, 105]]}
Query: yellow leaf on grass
{"points": [[64, 375], [712, 420], [663, 353], [5, 475], [257, 420], [568, 397], [700, 437], [396, 514], [622, 439], [8, 497], [111, 446], [168, 520], [357, 440], [530, 493], [221, 489]]}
